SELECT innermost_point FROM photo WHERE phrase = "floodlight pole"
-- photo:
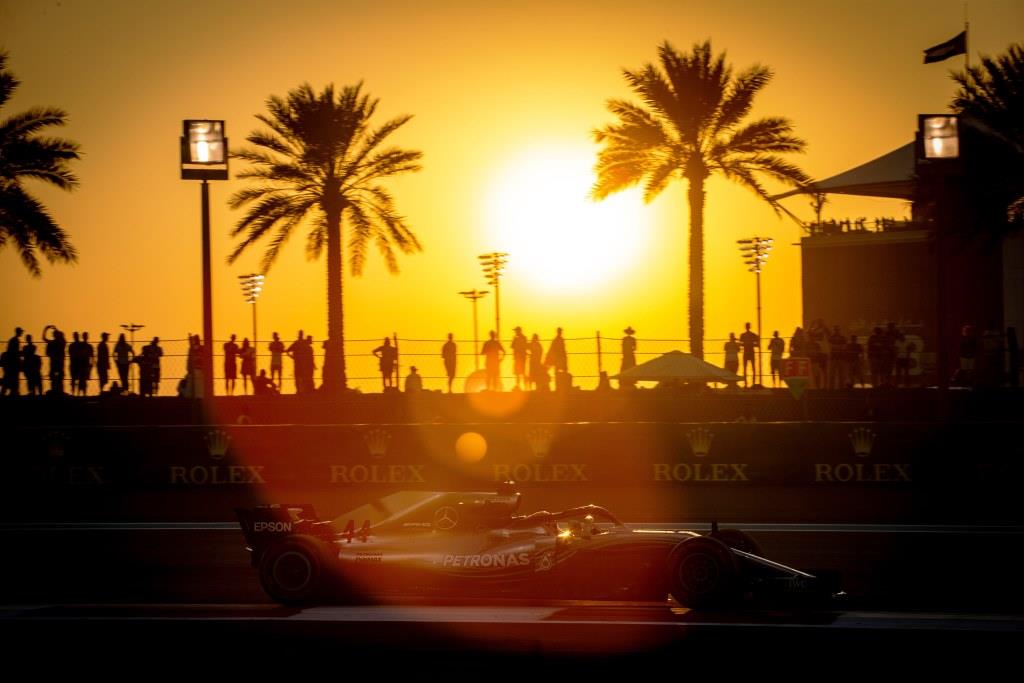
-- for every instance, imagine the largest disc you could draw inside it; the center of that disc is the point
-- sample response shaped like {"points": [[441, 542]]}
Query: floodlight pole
{"points": [[474, 295], [755, 252], [207, 347]]}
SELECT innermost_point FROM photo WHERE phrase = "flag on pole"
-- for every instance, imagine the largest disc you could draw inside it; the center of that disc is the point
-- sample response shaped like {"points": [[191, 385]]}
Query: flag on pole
{"points": [[957, 45]]}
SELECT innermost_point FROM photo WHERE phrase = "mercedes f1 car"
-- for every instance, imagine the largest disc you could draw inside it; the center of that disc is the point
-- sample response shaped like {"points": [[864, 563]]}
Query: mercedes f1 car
{"points": [[476, 545]]}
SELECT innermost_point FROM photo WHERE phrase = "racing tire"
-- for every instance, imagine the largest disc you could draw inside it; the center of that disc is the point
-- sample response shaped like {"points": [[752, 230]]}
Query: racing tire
{"points": [[292, 572], [740, 540], [703, 572]]}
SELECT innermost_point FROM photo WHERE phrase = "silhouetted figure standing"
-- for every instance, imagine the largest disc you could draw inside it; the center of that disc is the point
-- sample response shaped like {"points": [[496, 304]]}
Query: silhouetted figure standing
{"points": [[519, 344], [56, 348], [732, 354], [248, 355], [538, 373], [557, 357], [230, 365], [837, 366], [387, 355], [775, 348], [876, 356], [103, 361], [85, 372], [305, 367], [193, 368], [152, 353], [798, 344], [413, 381], [449, 352], [12, 365], [32, 367], [294, 351], [276, 354], [123, 355], [75, 362], [855, 361], [628, 356], [750, 343], [493, 353]]}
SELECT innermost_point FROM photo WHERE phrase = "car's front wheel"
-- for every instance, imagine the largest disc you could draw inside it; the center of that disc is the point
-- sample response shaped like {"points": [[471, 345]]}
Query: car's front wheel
{"points": [[703, 572], [292, 572]]}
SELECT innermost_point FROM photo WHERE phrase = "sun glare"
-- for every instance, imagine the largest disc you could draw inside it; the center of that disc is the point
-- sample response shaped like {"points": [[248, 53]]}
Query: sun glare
{"points": [[538, 210]]}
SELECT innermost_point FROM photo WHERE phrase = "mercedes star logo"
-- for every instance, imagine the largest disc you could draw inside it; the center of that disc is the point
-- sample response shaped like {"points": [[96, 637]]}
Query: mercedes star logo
{"points": [[446, 518]]}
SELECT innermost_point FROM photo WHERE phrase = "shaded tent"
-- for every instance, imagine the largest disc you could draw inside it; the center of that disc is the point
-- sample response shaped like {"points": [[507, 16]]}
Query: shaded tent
{"points": [[890, 176], [678, 366]]}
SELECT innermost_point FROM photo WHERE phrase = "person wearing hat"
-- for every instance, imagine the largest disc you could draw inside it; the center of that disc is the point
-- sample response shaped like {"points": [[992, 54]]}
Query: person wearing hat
{"points": [[628, 356], [519, 344], [413, 381]]}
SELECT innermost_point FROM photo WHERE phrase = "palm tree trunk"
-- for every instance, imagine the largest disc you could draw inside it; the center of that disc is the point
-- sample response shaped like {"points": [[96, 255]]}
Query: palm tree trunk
{"points": [[696, 197], [335, 378]]}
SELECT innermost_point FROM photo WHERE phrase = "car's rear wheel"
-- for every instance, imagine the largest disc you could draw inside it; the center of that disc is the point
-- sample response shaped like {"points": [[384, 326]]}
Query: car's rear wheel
{"points": [[703, 573], [741, 540], [292, 572]]}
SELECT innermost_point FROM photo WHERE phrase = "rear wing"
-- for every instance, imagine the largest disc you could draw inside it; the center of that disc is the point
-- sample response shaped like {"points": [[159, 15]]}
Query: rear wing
{"points": [[265, 524]]}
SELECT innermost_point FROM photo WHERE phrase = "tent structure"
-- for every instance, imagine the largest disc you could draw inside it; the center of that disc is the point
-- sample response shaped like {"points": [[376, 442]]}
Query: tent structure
{"points": [[890, 175], [679, 366]]}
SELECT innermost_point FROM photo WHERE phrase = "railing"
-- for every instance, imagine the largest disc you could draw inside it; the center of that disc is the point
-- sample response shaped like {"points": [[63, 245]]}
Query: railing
{"points": [[864, 225]]}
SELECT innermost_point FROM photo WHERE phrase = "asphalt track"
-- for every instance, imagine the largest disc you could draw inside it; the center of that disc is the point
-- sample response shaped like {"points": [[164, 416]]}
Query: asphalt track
{"points": [[927, 595]]}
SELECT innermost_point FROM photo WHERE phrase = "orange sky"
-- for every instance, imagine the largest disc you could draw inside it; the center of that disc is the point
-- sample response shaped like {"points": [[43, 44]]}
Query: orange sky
{"points": [[495, 91]]}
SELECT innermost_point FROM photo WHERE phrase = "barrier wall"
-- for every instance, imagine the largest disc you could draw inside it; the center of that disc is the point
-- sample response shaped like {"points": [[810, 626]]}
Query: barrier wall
{"points": [[882, 472]]}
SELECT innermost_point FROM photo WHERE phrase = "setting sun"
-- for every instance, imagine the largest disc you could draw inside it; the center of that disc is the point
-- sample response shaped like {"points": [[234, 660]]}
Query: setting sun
{"points": [[538, 210]]}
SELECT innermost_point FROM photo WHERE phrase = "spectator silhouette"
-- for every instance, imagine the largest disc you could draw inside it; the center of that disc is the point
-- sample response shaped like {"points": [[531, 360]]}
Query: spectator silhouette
{"points": [[149, 368], [732, 354], [103, 361], [518, 345], [294, 351], [798, 344], [123, 355], [85, 372], [307, 367], [75, 362], [263, 385], [538, 373], [876, 357], [493, 353], [230, 365], [56, 349], [750, 343], [32, 367], [557, 357], [388, 356], [276, 353], [854, 353], [628, 357], [12, 365], [449, 352], [837, 365], [413, 381], [775, 348], [248, 355]]}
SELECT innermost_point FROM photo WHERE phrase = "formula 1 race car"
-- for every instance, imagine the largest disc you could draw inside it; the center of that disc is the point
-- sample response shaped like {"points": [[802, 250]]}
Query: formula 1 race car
{"points": [[458, 544]]}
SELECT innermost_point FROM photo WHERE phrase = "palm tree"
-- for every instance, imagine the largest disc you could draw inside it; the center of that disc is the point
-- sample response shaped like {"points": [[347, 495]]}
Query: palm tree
{"points": [[24, 154], [319, 163], [990, 102], [688, 126]]}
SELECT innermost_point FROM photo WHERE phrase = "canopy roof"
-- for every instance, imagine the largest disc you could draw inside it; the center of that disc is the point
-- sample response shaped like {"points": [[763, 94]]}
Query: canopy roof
{"points": [[676, 365], [890, 175]]}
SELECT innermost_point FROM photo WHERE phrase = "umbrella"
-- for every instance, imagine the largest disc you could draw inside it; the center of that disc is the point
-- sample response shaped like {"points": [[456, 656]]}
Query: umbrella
{"points": [[676, 365]]}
